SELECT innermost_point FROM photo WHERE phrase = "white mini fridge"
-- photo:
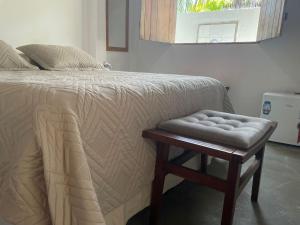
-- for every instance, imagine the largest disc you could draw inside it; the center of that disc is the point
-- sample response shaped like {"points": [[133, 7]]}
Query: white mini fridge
{"points": [[285, 109]]}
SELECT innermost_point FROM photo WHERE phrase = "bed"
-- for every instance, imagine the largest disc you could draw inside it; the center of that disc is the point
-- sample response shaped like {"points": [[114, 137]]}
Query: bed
{"points": [[71, 150]]}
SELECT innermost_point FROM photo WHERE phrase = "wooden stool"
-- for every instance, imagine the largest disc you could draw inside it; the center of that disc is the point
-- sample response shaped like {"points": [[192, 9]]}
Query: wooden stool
{"points": [[234, 183]]}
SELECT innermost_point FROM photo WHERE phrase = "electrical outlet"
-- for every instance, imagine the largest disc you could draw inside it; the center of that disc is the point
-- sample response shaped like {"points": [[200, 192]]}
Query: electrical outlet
{"points": [[107, 65]]}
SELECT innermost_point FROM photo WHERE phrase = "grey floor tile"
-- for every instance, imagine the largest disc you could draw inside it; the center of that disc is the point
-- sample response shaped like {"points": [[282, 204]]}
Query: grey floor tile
{"points": [[279, 199]]}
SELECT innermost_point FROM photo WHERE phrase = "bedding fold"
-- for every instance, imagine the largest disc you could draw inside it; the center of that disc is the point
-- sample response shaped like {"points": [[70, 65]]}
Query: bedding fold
{"points": [[71, 150]]}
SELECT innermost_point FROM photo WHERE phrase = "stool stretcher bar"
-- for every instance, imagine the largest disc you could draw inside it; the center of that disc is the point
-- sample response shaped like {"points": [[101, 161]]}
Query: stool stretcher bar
{"points": [[231, 187]]}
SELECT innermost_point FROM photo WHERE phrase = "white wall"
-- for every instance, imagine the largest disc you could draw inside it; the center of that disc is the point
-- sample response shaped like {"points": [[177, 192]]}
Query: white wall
{"points": [[41, 21], [94, 28], [249, 69], [94, 38], [187, 24]]}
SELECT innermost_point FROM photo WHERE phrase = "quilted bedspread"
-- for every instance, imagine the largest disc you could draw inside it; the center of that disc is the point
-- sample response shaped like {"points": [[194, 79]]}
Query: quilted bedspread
{"points": [[71, 149]]}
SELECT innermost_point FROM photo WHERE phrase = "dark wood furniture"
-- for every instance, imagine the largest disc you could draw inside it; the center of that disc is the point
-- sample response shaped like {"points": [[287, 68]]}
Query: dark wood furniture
{"points": [[231, 187]]}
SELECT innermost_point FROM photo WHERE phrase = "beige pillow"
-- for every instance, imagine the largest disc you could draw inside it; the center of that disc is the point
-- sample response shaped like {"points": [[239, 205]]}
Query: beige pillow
{"points": [[54, 57], [27, 59], [10, 59]]}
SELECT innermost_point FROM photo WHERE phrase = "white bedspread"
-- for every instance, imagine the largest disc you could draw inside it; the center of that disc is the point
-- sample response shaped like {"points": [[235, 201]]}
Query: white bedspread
{"points": [[71, 149]]}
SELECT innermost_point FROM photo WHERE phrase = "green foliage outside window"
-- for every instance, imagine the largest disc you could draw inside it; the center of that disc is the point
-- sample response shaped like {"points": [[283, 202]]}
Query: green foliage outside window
{"points": [[196, 6], [209, 5]]}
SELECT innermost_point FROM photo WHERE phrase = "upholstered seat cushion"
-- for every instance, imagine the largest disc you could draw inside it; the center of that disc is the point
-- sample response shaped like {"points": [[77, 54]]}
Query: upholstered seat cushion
{"points": [[218, 127]]}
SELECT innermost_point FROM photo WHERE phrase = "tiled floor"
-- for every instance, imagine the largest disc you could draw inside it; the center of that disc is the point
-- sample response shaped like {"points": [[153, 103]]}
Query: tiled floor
{"points": [[279, 200]]}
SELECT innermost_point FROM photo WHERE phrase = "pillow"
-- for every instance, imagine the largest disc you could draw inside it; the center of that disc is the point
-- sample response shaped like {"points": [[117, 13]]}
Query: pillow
{"points": [[10, 59], [54, 57], [27, 59]]}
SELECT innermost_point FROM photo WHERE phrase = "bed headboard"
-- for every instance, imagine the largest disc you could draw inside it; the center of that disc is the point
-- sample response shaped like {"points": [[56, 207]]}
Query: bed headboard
{"points": [[41, 21]]}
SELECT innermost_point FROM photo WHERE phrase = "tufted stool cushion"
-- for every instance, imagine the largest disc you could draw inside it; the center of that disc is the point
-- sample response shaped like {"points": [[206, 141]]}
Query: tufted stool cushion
{"points": [[219, 127]]}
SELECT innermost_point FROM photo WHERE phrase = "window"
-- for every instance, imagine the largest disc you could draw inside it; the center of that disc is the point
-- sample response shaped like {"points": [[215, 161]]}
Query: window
{"points": [[217, 21], [211, 21]]}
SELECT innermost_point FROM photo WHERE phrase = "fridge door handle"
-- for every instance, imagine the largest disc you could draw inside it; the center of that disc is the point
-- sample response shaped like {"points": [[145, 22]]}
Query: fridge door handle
{"points": [[298, 133]]}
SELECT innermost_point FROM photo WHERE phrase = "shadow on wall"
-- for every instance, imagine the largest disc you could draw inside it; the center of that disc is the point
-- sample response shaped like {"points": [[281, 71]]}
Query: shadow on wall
{"points": [[249, 69]]}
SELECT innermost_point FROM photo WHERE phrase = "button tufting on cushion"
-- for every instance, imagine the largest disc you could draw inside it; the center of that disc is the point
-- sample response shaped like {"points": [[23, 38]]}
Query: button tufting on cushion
{"points": [[219, 127]]}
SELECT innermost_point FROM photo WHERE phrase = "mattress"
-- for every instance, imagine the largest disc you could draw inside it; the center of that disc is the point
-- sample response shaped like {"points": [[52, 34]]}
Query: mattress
{"points": [[70, 142]]}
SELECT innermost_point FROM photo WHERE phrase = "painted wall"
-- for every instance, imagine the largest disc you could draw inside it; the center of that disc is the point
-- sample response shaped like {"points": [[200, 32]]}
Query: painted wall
{"points": [[41, 21], [94, 38], [94, 28], [249, 69], [187, 24]]}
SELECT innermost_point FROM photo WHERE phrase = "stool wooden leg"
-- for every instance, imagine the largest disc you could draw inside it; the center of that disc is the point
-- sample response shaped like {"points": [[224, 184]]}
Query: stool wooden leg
{"points": [[158, 183], [257, 176], [233, 180], [204, 163]]}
